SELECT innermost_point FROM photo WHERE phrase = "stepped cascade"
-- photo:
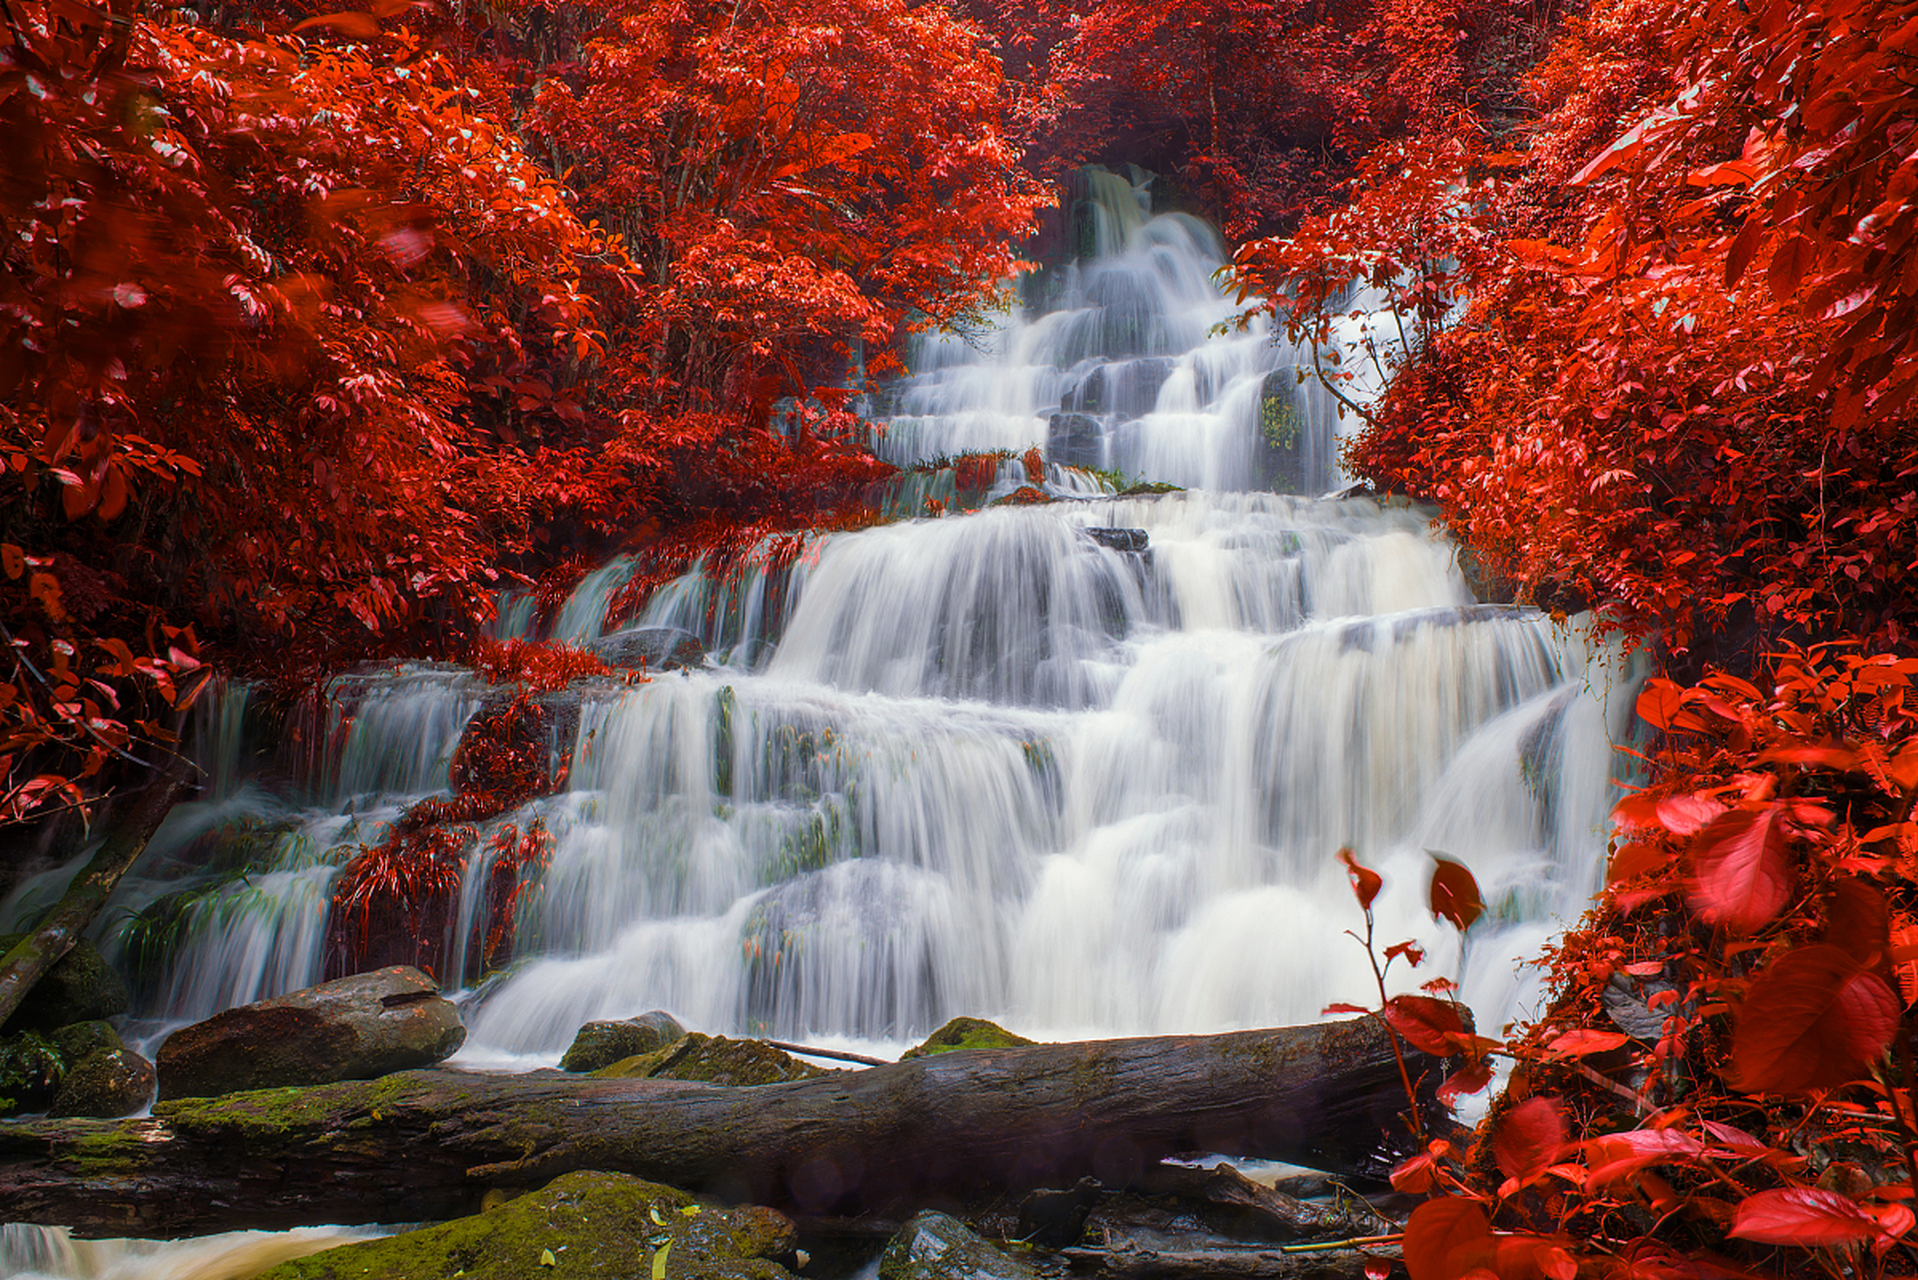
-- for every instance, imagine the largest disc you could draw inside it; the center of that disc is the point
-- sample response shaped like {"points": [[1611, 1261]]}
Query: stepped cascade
{"points": [[1081, 766]]}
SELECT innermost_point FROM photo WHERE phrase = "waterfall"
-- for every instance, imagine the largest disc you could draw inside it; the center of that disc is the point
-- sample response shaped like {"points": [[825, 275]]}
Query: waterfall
{"points": [[1080, 766]]}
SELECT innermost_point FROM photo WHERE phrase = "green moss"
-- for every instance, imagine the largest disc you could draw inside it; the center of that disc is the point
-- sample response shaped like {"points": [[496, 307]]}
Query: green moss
{"points": [[31, 1066], [582, 1225], [1150, 487], [965, 1033]]}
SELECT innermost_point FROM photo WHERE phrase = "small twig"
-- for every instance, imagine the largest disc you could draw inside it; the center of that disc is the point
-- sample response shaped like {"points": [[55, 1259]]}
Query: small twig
{"points": [[1355, 1242], [838, 1054]]}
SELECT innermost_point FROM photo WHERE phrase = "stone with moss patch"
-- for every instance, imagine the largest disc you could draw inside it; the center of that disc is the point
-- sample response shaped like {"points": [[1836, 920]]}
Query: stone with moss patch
{"points": [[1146, 488], [84, 1039], [714, 1060], [586, 1224], [112, 1082], [600, 1044], [965, 1033]]}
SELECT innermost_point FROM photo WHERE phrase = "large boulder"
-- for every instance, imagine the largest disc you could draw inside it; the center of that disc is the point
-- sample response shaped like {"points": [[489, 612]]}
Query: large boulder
{"points": [[598, 1225], [1074, 440], [601, 1044], [353, 1028], [651, 649], [110, 1083], [937, 1246], [80, 987]]}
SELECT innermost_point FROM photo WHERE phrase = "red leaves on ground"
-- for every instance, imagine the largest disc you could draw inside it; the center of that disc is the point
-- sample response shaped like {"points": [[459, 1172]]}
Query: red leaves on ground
{"points": [[1741, 876], [1814, 1019], [1804, 1216], [1529, 1138], [1366, 882], [1455, 895]]}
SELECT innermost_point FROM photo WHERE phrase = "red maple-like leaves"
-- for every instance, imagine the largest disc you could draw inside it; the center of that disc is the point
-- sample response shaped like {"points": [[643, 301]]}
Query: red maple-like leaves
{"points": [[1815, 1019]]}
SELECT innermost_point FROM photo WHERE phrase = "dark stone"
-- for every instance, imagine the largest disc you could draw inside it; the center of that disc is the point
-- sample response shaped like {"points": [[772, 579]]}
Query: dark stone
{"points": [[937, 1246], [1118, 539], [1073, 440], [30, 1071], [714, 1060], [581, 1225], [965, 1033], [356, 1028], [1127, 389], [651, 649], [79, 988], [113, 1082], [1282, 443], [601, 1044]]}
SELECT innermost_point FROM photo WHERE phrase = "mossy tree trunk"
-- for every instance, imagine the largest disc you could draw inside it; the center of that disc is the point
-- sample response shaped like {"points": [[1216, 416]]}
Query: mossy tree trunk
{"points": [[61, 927], [429, 1144]]}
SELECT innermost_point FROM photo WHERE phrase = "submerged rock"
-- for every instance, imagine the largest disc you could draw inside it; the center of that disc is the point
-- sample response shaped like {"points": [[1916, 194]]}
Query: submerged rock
{"points": [[714, 1060], [1133, 540], [937, 1246], [601, 1044], [965, 1033], [80, 987], [353, 1028], [1074, 439], [106, 1084], [651, 649], [608, 1226]]}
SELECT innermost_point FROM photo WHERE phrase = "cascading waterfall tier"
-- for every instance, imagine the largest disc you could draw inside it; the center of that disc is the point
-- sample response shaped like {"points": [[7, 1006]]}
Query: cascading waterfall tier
{"points": [[1080, 766]]}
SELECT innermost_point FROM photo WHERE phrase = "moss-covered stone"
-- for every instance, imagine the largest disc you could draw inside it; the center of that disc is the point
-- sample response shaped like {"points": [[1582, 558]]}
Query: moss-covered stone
{"points": [[965, 1033], [937, 1246], [109, 1083], [714, 1060], [600, 1044], [606, 1226], [1144, 488], [30, 1071], [81, 987], [84, 1039]]}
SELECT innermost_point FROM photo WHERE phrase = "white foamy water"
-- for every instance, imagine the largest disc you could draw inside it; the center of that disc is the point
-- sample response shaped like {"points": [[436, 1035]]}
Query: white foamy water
{"points": [[1081, 767]]}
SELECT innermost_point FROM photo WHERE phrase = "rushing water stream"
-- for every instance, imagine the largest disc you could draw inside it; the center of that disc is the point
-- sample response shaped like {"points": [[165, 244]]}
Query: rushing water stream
{"points": [[1079, 767]]}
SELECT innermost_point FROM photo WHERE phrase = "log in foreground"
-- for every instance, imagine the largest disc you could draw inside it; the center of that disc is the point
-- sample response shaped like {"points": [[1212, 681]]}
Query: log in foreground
{"points": [[425, 1145]]}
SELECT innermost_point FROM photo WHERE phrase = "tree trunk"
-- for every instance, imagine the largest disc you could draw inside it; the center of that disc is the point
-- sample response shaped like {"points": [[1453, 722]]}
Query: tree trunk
{"points": [[428, 1144], [40, 950]]}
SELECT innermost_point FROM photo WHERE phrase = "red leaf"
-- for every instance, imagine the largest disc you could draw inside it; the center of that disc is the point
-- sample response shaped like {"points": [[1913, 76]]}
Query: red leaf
{"points": [[1827, 755], [1659, 701], [1685, 815], [1425, 1023], [1815, 1019], [1366, 882], [1630, 861], [1789, 262], [1744, 245], [1417, 1175], [1741, 877], [1469, 1078], [1857, 922], [1803, 1216], [1579, 1043], [1616, 1155], [1529, 1138], [1445, 1238], [1455, 895]]}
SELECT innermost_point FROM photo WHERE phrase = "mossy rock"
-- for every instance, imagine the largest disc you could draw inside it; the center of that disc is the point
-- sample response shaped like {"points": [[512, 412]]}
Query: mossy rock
{"points": [[965, 1033], [607, 1226], [713, 1060], [600, 1044], [107, 1084], [937, 1246], [82, 1040], [1146, 488], [31, 1068], [81, 987]]}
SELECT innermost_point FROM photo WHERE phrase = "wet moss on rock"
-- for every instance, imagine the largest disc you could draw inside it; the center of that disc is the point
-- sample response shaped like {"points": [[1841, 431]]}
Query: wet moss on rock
{"points": [[585, 1224], [965, 1033], [714, 1060]]}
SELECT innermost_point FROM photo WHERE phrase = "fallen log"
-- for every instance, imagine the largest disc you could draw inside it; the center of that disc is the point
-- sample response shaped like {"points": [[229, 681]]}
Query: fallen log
{"points": [[62, 926], [425, 1145]]}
